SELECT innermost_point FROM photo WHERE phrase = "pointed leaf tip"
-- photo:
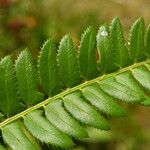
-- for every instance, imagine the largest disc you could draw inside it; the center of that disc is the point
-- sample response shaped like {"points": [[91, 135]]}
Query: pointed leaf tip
{"points": [[136, 40], [87, 54], [9, 99], [48, 69], [148, 41], [68, 62], [121, 52], [26, 79]]}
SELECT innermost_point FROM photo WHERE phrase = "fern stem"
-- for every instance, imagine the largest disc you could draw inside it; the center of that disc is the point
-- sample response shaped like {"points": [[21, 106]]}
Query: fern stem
{"points": [[62, 94]]}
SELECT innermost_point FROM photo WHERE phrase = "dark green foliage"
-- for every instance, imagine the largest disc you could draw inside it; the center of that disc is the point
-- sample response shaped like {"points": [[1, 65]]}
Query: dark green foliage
{"points": [[1, 117], [9, 99], [136, 41], [148, 41], [68, 63], [48, 68], [106, 51], [87, 56], [64, 116], [26, 77], [121, 52]]}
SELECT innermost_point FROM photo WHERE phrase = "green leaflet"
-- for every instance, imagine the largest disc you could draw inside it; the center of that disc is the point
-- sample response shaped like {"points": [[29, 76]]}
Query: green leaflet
{"points": [[106, 51], [26, 79], [142, 75], [18, 138], [9, 100], [48, 68], [68, 63], [44, 131], [57, 115], [136, 41], [83, 112], [121, 52], [102, 101], [120, 91], [87, 56], [148, 41], [128, 80]]}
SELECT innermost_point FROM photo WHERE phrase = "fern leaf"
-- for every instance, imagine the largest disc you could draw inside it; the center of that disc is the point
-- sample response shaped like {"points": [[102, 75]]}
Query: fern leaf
{"points": [[17, 137], [68, 63], [26, 77], [83, 112], [128, 80], [48, 68], [44, 131], [120, 91], [106, 52], [59, 118], [87, 55], [148, 41], [9, 100], [142, 75], [102, 101], [57, 115], [121, 52], [136, 40]]}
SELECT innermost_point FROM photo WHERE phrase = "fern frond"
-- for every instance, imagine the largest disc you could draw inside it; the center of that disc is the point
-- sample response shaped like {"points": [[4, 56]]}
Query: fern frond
{"points": [[68, 62], [26, 79], [121, 52], [64, 116], [136, 41], [48, 69], [9, 99], [148, 41], [87, 56], [107, 61]]}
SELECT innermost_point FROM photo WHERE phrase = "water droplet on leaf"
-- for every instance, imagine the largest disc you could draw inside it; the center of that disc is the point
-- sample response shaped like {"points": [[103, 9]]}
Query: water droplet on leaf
{"points": [[104, 33]]}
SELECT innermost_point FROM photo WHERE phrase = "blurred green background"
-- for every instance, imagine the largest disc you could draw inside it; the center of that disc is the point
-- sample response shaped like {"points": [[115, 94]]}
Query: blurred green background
{"points": [[28, 23]]}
